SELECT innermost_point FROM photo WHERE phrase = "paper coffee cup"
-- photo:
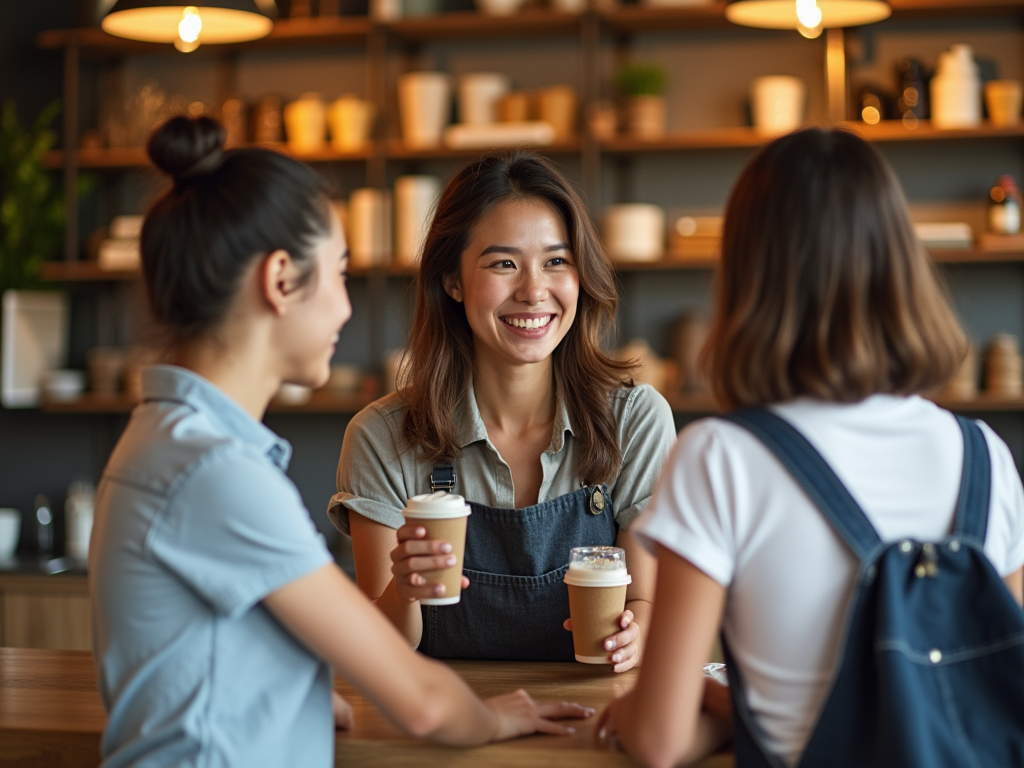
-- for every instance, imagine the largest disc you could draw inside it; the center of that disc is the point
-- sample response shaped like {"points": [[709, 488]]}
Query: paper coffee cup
{"points": [[597, 580], [444, 516]]}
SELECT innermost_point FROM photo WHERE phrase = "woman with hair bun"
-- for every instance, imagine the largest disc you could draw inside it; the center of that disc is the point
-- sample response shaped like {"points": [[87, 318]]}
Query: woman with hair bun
{"points": [[512, 404], [208, 577]]}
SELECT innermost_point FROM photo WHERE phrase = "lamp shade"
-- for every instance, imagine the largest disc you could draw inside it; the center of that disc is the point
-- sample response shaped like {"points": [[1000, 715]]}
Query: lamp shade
{"points": [[782, 14], [159, 21]]}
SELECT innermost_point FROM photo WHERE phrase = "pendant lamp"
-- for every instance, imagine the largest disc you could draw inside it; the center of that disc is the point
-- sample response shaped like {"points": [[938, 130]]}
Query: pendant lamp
{"points": [[169, 21], [809, 17]]}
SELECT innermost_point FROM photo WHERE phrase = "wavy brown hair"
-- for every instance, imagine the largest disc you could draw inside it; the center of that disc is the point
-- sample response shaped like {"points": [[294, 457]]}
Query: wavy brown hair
{"points": [[439, 353], [824, 290]]}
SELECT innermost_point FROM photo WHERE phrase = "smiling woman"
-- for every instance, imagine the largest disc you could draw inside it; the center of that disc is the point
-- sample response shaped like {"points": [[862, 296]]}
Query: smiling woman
{"points": [[513, 405]]}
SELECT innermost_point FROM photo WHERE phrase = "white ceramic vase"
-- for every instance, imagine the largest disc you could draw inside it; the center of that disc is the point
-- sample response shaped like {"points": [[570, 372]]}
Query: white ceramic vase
{"points": [[424, 105]]}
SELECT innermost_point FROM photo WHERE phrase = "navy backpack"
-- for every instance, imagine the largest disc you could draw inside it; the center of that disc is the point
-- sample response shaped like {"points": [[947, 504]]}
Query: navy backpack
{"points": [[931, 674]]}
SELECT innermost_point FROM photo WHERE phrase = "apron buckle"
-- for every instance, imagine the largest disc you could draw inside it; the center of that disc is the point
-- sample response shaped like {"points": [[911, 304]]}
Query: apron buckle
{"points": [[442, 478], [597, 503]]}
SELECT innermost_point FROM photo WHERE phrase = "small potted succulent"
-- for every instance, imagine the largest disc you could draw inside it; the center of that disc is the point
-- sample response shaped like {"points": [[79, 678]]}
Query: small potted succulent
{"points": [[642, 85]]}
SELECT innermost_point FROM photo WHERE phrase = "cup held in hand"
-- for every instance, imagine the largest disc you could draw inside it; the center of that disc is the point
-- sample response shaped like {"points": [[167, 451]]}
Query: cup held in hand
{"points": [[444, 515], [597, 580]]}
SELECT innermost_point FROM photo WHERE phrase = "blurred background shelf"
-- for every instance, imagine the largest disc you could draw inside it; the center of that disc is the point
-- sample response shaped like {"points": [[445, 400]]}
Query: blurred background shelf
{"points": [[89, 271], [319, 402], [127, 158], [469, 25], [287, 33]]}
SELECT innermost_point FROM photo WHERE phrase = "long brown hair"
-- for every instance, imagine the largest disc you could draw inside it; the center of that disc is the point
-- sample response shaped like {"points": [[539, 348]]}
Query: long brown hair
{"points": [[440, 349], [824, 289]]}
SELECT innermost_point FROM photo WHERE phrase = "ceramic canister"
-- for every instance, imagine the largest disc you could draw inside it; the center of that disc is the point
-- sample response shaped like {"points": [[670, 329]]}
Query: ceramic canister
{"points": [[777, 103], [634, 232], [479, 94], [956, 90], [424, 105], [415, 200], [350, 119], [305, 121], [369, 240]]}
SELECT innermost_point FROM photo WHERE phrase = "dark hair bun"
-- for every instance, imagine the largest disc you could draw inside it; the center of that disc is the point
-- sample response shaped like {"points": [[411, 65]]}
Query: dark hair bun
{"points": [[186, 146]]}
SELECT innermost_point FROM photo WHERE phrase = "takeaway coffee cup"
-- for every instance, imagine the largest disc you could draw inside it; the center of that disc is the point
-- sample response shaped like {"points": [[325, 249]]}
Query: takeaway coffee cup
{"points": [[597, 580], [444, 516]]}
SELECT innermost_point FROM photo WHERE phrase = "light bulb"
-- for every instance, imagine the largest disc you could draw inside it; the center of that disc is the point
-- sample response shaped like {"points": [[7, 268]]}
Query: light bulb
{"points": [[188, 30], [808, 16]]}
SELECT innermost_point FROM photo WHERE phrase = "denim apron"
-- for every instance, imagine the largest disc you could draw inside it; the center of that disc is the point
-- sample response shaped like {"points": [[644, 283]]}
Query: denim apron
{"points": [[515, 561]]}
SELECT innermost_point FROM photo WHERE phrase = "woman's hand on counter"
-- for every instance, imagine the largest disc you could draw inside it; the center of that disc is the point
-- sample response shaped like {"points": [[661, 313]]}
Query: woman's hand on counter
{"points": [[414, 555], [343, 718], [517, 714], [623, 647]]}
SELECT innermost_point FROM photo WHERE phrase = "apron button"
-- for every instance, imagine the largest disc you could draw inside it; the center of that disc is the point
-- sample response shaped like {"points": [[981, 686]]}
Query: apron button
{"points": [[596, 502]]}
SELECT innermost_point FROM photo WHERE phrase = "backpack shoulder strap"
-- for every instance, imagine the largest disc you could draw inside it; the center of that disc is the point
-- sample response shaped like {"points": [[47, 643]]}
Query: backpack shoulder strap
{"points": [[814, 475], [975, 485]]}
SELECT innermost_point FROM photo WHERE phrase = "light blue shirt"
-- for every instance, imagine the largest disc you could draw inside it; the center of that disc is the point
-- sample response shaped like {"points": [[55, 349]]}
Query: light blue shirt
{"points": [[196, 522]]}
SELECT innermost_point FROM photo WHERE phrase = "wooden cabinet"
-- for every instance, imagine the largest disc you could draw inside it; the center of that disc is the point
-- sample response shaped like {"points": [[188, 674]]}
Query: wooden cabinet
{"points": [[44, 611]]}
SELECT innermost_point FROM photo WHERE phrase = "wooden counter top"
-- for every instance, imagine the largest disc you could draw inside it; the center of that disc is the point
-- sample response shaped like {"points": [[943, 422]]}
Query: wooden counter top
{"points": [[51, 716]]}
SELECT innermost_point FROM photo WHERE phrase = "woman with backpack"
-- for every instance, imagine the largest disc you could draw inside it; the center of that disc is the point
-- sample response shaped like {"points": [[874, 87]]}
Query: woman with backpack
{"points": [[209, 580], [858, 547]]}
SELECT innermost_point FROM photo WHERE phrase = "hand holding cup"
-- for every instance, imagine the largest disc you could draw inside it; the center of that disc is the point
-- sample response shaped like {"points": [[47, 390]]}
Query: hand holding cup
{"points": [[597, 580], [415, 556], [427, 563]]}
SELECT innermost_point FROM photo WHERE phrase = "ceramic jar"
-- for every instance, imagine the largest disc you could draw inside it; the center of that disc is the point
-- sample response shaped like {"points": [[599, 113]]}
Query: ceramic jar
{"points": [[634, 232], [305, 121], [424, 104], [956, 90]]}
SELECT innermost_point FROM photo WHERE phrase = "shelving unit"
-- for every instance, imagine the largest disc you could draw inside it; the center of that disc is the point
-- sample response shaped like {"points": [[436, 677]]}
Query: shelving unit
{"points": [[590, 33], [320, 402]]}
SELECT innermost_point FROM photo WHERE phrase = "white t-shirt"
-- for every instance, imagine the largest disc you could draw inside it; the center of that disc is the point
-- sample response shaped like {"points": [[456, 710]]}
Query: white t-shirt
{"points": [[726, 504]]}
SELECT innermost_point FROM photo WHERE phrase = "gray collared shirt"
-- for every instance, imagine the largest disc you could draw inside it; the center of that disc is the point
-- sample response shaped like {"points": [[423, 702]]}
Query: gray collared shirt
{"points": [[378, 472], [196, 523]]}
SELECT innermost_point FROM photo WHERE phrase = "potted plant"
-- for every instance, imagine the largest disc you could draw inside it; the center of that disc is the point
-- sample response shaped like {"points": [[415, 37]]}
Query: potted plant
{"points": [[31, 231], [31, 204], [642, 84]]}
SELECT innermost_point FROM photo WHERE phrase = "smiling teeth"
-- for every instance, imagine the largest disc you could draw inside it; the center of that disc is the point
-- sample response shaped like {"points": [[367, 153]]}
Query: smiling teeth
{"points": [[537, 322]]}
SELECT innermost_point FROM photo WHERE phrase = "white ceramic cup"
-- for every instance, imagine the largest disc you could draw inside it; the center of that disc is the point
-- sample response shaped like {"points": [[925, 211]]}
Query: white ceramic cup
{"points": [[634, 232], [777, 103], [424, 104], [305, 121], [368, 230], [10, 530], [415, 201], [479, 94], [350, 120]]}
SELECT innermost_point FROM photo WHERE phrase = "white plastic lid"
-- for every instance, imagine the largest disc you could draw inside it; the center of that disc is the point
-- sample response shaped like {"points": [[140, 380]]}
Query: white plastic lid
{"points": [[439, 505], [580, 576]]}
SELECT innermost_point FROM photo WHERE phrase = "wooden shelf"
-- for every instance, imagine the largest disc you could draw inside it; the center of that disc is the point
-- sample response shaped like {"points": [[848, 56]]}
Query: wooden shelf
{"points": [[320, 402], [124, 158], [355, 30], [698, 403], [894, 131], [942, 9], [628, 19], [90, 272], [470, 25], [889, 131], [397, 150], [127, 158], [287, 33], [326, 403]]}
